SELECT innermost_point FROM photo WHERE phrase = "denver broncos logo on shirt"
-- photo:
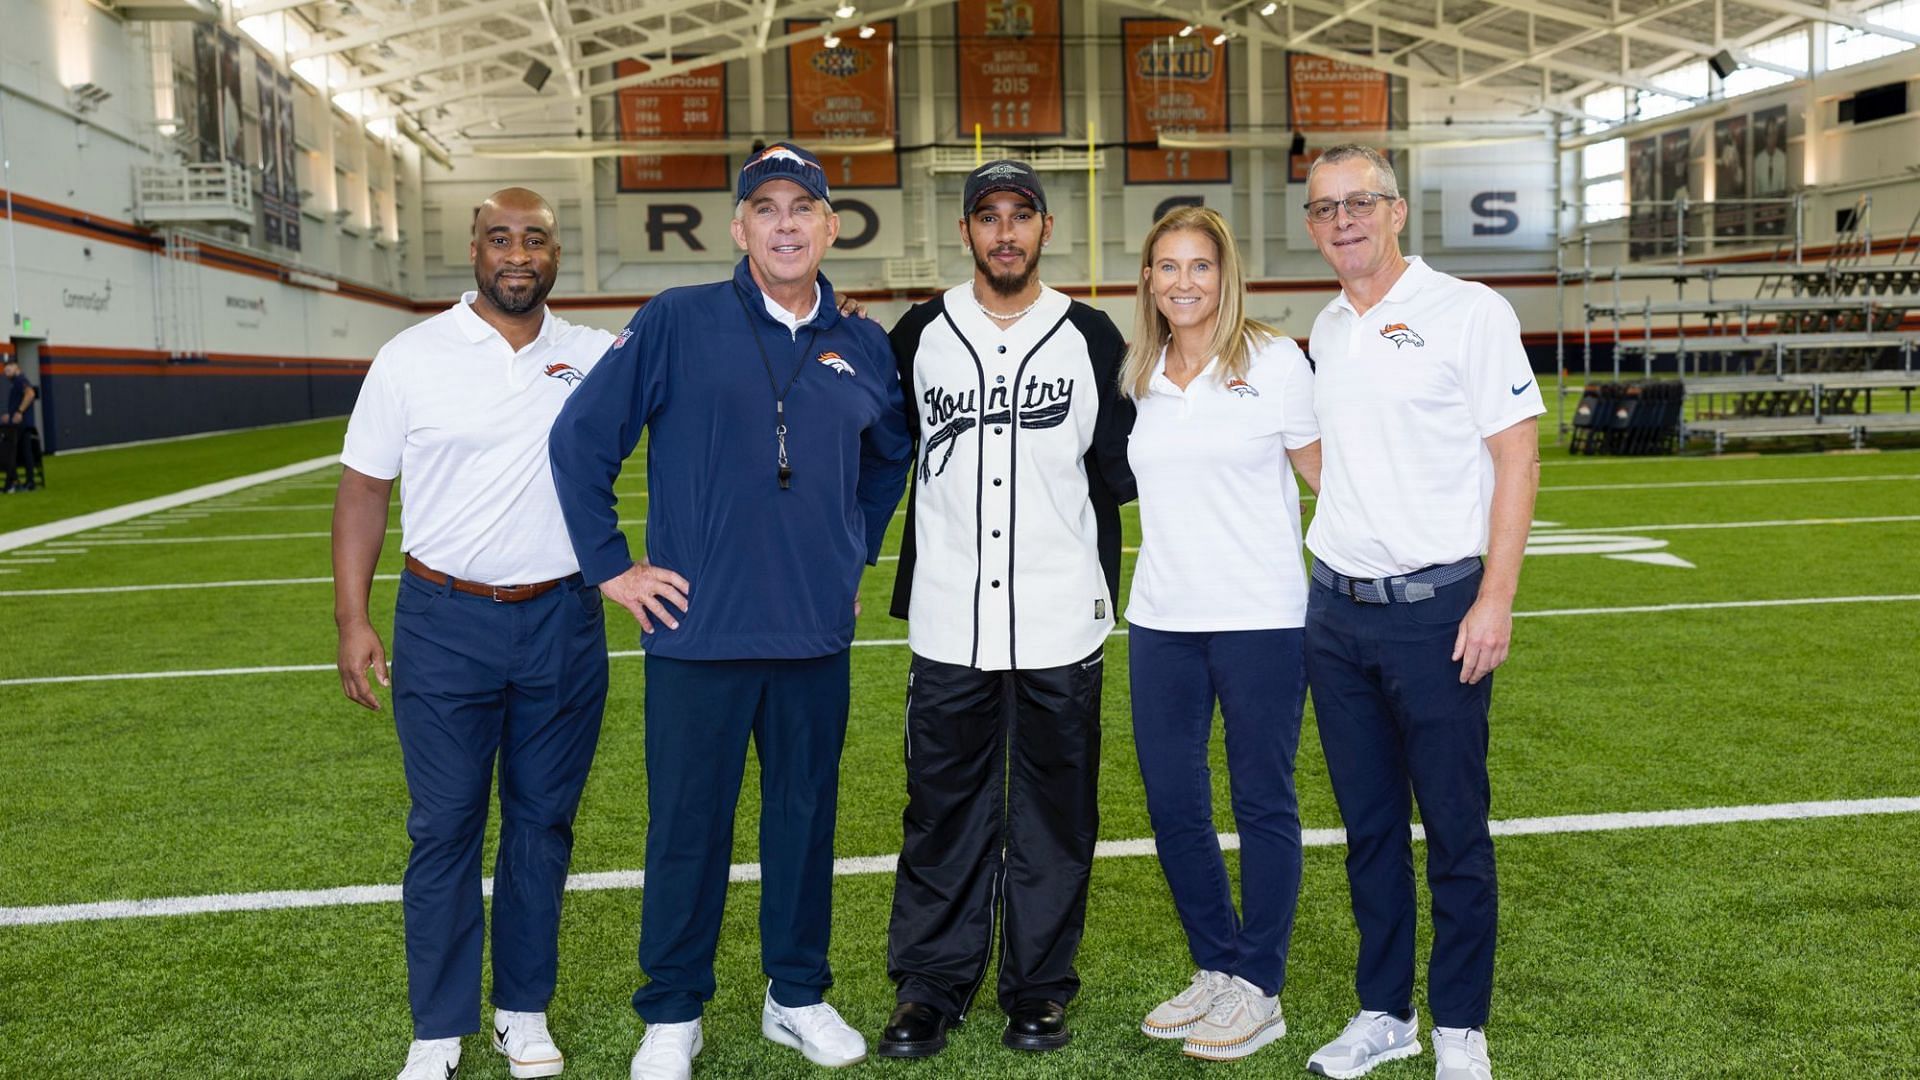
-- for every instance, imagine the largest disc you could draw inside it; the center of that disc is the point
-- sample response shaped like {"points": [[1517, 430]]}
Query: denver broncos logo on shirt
{"points": [[566, 373], [1242, 388], [834, 361], [1400, 334]]}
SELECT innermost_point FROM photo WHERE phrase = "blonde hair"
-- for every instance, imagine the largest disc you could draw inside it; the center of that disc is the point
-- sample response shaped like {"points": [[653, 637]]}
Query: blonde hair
{"points": [[1235, 337]]}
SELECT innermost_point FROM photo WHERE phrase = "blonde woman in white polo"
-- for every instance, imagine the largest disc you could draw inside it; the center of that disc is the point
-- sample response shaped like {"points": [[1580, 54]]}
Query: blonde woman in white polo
{"points": [[1218, 602]]}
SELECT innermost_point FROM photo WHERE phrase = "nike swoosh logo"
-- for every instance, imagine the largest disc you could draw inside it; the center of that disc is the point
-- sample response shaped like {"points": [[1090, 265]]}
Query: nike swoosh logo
{"points": [[1518, 390]]}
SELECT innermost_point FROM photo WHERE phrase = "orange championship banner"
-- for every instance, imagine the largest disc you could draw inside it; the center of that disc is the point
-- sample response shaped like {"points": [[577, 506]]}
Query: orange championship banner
{"points": [[1173, 84], [1331, 95], [1011, 55], [690, 105], [846, 92]]}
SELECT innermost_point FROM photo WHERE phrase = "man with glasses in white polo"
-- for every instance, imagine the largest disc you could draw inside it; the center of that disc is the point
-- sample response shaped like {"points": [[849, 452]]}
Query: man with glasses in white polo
{"points": [[1427, 406]]}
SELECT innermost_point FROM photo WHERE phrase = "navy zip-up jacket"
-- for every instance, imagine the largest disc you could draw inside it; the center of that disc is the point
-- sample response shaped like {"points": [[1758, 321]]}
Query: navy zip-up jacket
{"points": [[773, 573]]}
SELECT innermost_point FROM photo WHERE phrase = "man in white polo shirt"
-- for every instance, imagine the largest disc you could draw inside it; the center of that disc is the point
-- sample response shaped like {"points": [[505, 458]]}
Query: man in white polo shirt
{"points": [[1427, 410], [499, 648]]}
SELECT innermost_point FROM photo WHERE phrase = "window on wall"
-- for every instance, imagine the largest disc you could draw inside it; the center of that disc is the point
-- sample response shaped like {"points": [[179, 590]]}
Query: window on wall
{"points": [[1786, 50], [1687, 84], [1603, 165], [1847, 46]]}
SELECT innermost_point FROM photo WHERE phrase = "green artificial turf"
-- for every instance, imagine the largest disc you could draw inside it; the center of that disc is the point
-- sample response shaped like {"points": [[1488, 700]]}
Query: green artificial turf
{"points": [[1758, 949]]}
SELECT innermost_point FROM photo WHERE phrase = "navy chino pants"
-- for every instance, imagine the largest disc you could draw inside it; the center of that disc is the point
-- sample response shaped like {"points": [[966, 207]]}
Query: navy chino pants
{"points": [[1398, 725], [1257, 677], [475, 680], [700, 715]]}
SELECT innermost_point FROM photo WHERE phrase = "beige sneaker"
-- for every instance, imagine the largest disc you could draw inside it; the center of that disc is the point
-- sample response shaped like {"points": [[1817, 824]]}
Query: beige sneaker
{"points": [[1174, 1017], [1241, 1021]]}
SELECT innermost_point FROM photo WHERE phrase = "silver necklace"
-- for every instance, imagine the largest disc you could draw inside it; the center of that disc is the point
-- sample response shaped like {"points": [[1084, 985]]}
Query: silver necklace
{"points": [[1010, 316]]}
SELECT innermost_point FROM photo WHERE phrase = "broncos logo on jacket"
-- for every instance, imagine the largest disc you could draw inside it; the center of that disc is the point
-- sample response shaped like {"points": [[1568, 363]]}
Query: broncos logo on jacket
{"points": [[836, 362]]}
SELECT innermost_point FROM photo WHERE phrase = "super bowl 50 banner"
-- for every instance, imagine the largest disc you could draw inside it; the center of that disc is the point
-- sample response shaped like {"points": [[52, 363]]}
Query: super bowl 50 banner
{"points": [[844, 93], [1010, 60], [1174, 84], [690, 105]]}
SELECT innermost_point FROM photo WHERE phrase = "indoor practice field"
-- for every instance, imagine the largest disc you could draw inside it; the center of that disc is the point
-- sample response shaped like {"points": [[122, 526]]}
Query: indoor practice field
{"points": [[1705, 760]]}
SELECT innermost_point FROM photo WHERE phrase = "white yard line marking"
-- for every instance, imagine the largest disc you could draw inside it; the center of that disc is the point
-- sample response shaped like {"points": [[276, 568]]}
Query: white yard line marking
{"points": [[52, 530], [1785, 523], [125, 541], [885, 643], [19, 562], [94, 590], [285, 899], [1760, 482]]}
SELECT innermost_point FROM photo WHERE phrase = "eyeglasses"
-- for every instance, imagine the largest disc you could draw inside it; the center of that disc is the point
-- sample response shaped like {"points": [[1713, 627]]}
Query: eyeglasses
{"points": [[1359, 204]]}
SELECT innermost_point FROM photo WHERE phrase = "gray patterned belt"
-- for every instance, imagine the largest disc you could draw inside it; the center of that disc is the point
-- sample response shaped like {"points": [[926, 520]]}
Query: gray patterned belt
{"points": [[1404, 589]]}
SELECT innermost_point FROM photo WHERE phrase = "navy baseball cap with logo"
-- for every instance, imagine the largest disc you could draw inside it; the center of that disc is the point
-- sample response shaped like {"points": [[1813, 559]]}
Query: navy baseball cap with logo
{"points": [[783, 161], [1015, 176]]}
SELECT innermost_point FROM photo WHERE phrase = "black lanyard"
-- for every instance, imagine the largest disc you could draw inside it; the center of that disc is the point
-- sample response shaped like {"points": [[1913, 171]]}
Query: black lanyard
{"points": [[779, 392]]}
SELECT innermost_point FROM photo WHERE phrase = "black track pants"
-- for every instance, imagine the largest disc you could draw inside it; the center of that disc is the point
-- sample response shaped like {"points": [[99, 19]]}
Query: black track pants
{"points": [[1002, 813]]}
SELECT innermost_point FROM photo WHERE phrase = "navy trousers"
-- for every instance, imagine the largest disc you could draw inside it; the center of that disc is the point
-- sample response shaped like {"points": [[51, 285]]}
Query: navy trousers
{"points": [[1257, 677], [474, 680], [1398, 725], [700, 714]]}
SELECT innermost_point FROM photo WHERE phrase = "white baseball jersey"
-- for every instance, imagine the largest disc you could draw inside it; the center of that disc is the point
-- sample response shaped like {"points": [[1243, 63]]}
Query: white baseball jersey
{"points": [[1219, 508], [462, 420], [1012, 552], [1406, 395]]}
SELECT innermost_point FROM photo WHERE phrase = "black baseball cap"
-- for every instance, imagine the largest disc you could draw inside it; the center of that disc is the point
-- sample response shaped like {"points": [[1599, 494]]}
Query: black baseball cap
{"points": [[1004, 175], [783, 161]]}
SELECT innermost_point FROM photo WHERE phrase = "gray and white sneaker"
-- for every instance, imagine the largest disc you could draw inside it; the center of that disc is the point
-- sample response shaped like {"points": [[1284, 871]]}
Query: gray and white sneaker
{"points": [[1241, 1021], [817, 1031], [1174, 1017], [1460, 1054], [523, 1039], [666, 1052], [432, 1059], [1371, 1038]]}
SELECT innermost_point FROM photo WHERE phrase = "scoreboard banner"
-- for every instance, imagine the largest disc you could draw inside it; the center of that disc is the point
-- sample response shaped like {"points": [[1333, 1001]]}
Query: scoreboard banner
{"points": [[1011, 56], [1177, 85], [1332, 95], [690, 105], [846, 92]]}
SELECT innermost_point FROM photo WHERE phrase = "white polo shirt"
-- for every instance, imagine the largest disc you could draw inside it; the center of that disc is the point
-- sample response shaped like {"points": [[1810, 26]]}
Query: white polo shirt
{"points": [[1406, 395], [1219, 509], [462, 419]]}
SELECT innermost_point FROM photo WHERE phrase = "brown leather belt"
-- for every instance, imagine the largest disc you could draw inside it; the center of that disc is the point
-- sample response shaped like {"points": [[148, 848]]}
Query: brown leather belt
{"points": [[505, 594]]}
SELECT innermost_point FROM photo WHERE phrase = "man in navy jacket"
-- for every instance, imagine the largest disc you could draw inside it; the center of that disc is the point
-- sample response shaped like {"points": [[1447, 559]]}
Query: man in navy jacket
{"points": [[779, 449]]}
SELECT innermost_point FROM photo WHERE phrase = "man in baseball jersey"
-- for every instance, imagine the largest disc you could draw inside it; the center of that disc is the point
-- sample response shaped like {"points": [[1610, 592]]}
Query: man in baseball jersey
{"points": [[778, 452], [499, 647], [1007, 578], [1427, 409]]}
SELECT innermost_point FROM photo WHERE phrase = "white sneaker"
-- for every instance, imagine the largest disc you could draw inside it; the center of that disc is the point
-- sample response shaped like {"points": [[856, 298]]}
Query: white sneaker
{"points": [[1460, 1054], [1174, 1017], [815, 1030], [1241, 1021], [523, 1038], [432, 1059], [666, 1052], [1370, 1038]]}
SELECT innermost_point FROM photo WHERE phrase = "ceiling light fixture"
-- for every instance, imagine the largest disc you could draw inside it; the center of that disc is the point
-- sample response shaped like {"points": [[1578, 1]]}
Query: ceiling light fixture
{"points": [[844, 11], [831, 41], [1220, 38], [1269, 8], [1187, 30], [866, 32]]}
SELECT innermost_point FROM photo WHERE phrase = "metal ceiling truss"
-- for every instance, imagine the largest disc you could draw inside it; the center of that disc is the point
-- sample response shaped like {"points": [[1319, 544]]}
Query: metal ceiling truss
{"points": [[454, 65]]}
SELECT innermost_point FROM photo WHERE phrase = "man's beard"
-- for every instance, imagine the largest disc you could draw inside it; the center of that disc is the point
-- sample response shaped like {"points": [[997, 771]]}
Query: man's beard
{"points": [[1004, 285], [525, 302]]}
